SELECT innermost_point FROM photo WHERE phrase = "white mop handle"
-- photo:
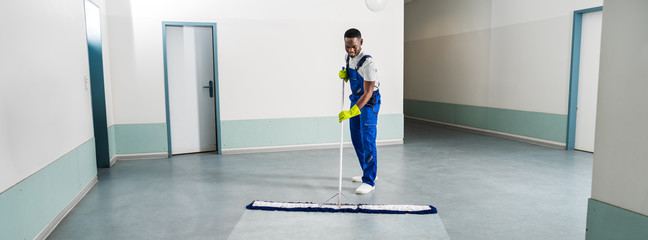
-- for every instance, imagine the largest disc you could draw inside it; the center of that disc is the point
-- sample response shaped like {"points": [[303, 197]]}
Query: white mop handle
{"points": [[341, 147]]}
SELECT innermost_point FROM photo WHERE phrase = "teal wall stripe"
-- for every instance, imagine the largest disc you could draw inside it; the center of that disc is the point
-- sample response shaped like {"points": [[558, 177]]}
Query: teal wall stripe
{"points": [[606, 222], [29, 206], [390, 126], [112, 148], [545, 126], [472, 116], [152, 138], [429, 110], [299, 131], [140, 138]]}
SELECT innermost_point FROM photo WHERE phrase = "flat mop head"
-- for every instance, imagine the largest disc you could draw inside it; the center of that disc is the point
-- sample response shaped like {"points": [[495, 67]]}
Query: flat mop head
{"points": [[348, 208]]}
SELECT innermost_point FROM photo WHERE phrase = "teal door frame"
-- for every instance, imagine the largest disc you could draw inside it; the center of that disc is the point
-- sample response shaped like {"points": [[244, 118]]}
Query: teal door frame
{"points": [[574, 74], [166, 80], [97, 91]]}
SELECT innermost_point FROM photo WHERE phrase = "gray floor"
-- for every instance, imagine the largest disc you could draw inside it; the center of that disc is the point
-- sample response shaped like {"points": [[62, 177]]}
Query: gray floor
{"points": [[484, 188]]}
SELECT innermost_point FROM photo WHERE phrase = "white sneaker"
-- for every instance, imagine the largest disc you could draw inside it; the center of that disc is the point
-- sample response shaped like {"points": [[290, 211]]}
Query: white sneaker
{"points": [[364, 188], [359, 179]]}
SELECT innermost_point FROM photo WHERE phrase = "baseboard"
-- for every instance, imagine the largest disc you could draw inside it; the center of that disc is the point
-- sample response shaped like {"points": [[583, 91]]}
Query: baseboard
{"points": [[113, 160], [140, 156], [55, 222], [303, 147], [536, 141]]}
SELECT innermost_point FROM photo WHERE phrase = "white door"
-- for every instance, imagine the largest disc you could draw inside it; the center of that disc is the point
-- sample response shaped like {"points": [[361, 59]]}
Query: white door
{"points": [[588, 81], [190, 70]]}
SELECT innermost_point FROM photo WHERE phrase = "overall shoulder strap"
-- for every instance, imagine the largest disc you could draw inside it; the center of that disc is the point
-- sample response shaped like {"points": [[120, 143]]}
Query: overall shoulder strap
{"points": [[347, 61], [362, 60]]}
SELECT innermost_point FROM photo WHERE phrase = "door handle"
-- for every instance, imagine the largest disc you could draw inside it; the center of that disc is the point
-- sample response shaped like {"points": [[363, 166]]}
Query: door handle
{"points": [[211, 88]]}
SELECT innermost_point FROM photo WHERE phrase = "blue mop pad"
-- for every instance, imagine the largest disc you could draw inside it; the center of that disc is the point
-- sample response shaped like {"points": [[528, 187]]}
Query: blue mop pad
{"points": [[350, 208]]}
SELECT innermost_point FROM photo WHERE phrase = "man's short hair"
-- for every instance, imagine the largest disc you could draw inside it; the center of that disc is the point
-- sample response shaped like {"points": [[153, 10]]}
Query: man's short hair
{"points": [[352, 33]]}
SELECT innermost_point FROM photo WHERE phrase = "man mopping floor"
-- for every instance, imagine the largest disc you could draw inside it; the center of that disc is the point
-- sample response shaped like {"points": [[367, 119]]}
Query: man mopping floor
{"points": [[361, 73]]}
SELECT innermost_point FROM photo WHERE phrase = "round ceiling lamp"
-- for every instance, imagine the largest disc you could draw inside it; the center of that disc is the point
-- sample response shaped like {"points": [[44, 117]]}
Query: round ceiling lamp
{"points": [[376, 5]]}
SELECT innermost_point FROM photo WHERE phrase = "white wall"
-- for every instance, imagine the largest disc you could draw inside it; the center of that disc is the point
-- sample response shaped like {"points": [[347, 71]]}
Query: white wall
{"points": [[509, 12], [507, 54], [276, 59], [45, 109], [621, 162], [428, 19], [447, 51], [531, 54]]}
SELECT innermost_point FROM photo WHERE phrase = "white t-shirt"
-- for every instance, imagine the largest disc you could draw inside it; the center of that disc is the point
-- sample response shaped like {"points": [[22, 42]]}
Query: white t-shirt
{"points": [[368, 70]]}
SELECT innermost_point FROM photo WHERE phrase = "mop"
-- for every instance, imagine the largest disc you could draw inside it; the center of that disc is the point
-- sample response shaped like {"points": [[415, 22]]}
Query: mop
{"points": [[340, 207]]}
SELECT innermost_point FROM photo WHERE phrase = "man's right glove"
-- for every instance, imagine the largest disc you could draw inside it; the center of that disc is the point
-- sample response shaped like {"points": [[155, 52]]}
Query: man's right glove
{"points": [[354, 111], [343, 74]]}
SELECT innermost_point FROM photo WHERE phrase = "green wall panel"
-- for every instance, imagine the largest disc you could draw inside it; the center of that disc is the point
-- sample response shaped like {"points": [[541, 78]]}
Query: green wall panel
{"points": [[547, 126], [29, 206], [152, 138], [112, 149], [390, 126], [140, 138], [430, 110], [471, 116], [605, 222], [299, 131]]}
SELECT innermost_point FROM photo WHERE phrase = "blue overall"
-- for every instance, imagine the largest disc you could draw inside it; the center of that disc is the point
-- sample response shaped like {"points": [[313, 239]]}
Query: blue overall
{"points": [[363, 127]]}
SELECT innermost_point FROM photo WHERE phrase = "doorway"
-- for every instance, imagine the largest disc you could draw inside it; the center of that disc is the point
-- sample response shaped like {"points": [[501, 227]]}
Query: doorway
{"points": [[586, 48], [191, 84], [97, 88]]}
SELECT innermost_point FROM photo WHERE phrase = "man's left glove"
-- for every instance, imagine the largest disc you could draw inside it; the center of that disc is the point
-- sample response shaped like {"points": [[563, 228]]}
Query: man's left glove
{"points": [[354, 111]]}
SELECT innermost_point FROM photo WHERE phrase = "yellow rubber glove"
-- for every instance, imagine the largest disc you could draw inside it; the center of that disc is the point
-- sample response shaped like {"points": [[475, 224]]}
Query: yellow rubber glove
{"points": [[354, 111], [343, 74]]}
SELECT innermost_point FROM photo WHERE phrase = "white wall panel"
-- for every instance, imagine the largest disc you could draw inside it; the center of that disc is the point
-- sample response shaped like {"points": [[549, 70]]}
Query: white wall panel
{"points": [[510, 54], [449, 69], [45, 109], [277, 59], [509, 12], [530, 66], [620, 163], [428, 19]]}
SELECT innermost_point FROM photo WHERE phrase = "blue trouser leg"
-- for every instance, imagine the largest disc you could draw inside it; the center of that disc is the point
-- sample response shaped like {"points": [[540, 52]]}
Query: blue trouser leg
{"points": [[356, 137], [363, 136]]}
